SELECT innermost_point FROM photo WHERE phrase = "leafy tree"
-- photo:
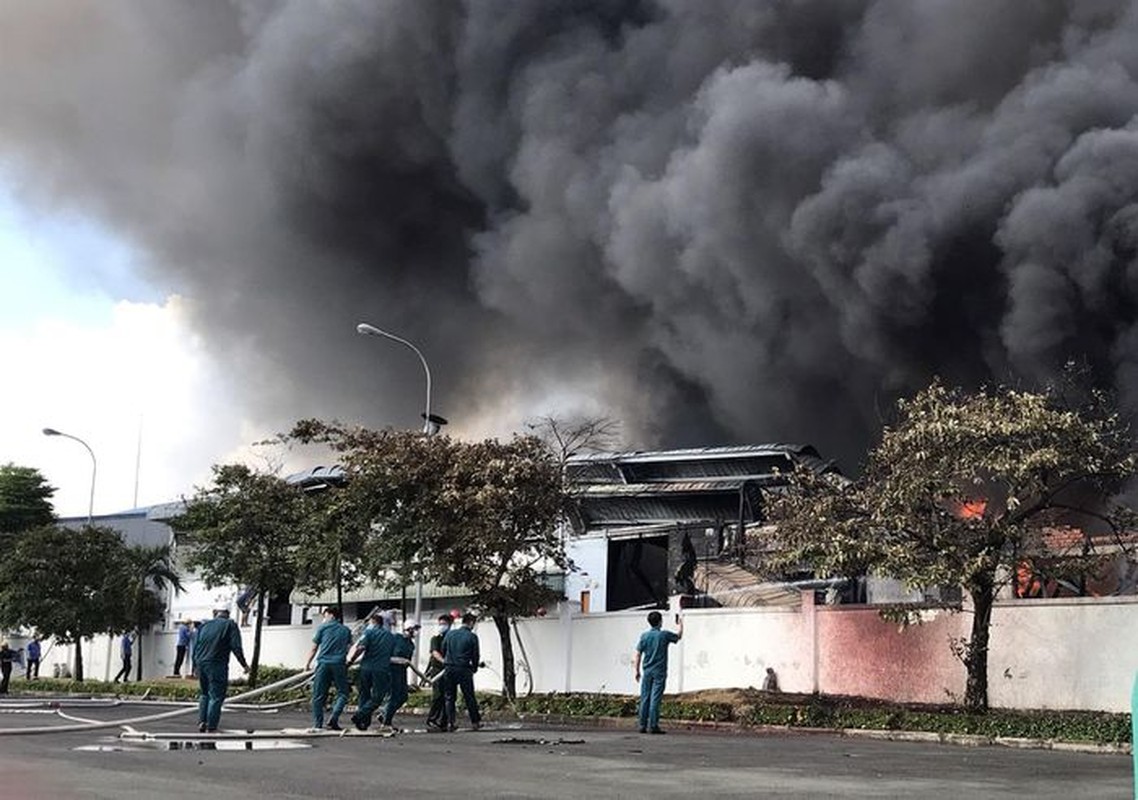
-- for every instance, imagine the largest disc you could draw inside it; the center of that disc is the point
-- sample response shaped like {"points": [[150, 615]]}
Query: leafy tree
{"points": [[480, 515], [25, 502], [959, 492], [246, 529], [151, 572], [67, 584]]}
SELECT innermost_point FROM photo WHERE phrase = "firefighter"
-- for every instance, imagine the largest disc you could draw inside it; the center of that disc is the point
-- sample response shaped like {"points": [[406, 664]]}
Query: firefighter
{"points": [[400, 661], [216, 641], [330, 646], [373, 650]]}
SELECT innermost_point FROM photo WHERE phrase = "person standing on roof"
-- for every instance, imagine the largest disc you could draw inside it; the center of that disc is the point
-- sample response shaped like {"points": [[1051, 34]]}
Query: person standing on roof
{"points": [[461, 659], [330, 646], [652, 649], [217, 640], [400, 661], [373, 650]]}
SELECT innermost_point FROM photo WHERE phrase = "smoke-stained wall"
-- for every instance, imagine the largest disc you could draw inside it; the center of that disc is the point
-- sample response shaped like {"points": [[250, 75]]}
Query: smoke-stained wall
{"points": [[717, 221]]}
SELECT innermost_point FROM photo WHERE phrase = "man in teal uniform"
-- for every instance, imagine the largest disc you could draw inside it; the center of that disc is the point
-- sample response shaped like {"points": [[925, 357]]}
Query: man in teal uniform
{"points": [[404, 649], [652, 650], [373, 650], [461, 659], [216, 640], [330, 649]]}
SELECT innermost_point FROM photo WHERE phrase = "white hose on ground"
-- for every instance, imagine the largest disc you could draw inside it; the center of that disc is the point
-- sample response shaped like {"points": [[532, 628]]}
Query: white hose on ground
{"points": [[194, 703], [281, 684], [90, 702], [84, 720]]}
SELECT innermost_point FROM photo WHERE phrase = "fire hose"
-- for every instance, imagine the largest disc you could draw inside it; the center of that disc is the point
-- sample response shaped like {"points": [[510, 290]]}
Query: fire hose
{"points": [[284, 683]]}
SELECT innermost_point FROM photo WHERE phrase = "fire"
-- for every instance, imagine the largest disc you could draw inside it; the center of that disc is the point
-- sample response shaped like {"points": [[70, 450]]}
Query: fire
{"points": [[972, 509]]}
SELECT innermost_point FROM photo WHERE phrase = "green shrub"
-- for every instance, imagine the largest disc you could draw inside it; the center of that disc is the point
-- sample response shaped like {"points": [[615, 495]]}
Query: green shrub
{"points": [[813, 711]]}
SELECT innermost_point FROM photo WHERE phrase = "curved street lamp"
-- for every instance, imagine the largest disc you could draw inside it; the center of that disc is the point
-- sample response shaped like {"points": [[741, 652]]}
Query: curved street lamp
{"points": [[431, 422], [91, 502], [431, 425]]}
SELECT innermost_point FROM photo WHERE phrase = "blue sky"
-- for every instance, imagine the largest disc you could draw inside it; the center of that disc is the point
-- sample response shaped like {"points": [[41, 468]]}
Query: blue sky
{"points": [[64, 265]]}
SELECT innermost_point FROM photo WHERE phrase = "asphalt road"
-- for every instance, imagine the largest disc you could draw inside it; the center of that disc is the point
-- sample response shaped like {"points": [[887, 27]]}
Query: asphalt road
{"points": [[519, 760]]}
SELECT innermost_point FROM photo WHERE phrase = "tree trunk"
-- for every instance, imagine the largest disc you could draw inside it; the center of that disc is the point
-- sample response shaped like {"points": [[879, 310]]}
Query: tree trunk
{"points": [[79, 658], [138, 638], [138, 655], [976, 653], [509, 678], [256, 661]]}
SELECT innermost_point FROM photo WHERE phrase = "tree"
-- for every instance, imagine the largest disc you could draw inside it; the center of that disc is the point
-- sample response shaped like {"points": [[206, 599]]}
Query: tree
{"points": [[246, 529], [479, 515], [25, 502], [567, 437], [960, 491], [151, 572], [67, 584]]}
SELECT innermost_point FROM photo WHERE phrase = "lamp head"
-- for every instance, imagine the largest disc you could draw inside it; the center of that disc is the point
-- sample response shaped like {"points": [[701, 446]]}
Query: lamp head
{"points": [[51, 432]]}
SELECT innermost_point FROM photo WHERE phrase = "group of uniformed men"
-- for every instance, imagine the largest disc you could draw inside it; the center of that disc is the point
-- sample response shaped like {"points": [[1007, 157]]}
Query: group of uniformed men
{"points": [[384, 659]]}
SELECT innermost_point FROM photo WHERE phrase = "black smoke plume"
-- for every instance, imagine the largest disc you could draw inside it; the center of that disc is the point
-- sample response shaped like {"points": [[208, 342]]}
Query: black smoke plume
{"points": [[717, 221]]}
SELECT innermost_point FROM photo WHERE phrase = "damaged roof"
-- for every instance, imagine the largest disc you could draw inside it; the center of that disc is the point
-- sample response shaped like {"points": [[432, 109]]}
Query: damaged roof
{"points": [[697, 484], [750, 461]]}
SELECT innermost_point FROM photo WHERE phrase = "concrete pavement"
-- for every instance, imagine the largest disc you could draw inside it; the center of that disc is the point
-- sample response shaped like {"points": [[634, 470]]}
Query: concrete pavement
{"points": [[519, 760]]}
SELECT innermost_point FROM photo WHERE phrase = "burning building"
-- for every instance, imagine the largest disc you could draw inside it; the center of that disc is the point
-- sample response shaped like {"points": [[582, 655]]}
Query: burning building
{"points": [[649, 525]]}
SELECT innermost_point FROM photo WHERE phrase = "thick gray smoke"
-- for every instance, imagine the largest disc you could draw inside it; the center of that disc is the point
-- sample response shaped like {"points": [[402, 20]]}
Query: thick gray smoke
{"points": [[717, 221]]}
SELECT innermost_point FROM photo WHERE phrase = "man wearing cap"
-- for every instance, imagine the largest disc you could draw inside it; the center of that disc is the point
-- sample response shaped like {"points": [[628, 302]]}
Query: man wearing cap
{"points": [[400, 660], [330, 649], [373, 650], [461, 659], [216, 641]]}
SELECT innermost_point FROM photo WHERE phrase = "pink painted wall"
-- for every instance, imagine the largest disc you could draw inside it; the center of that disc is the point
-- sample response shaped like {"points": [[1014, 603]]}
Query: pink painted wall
{"points": [[859, 653]]}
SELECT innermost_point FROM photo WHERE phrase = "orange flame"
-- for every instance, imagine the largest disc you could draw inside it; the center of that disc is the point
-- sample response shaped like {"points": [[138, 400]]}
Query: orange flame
{"points": [[972, 509]]}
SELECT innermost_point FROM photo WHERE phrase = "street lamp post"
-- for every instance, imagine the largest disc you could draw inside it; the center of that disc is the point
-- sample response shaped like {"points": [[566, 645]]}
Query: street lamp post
{"points": [[431, 425], [431, 422], [91, 502]]}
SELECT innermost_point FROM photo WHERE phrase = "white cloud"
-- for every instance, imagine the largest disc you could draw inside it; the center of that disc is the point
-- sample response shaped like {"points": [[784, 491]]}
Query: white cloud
{"points": [[100, 380]]}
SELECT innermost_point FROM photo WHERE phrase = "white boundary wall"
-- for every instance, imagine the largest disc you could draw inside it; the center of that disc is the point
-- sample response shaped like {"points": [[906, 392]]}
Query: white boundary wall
{"points": [[1070, 654]]}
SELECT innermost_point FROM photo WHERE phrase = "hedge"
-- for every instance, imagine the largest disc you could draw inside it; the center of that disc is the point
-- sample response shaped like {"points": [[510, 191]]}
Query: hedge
{"points": [[753, 709]]}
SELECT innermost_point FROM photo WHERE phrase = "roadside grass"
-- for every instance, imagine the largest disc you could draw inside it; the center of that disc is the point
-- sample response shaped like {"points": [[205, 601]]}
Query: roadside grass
{"points": [[743, 707]]}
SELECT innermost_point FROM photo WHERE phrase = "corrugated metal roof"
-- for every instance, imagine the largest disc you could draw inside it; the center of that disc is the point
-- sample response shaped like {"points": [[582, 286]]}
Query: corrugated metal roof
{"points": [[692, 453], [661, 466], [731, 585], [704, 486], [319, 477]]}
